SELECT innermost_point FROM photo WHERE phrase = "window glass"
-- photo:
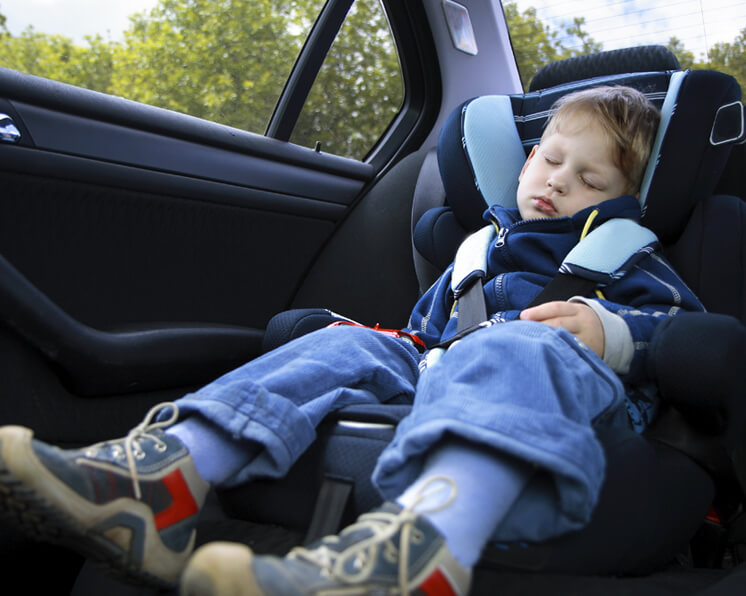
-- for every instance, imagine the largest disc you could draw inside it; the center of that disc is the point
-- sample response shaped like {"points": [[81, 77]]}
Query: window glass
{"points": [[223, 60], [702, 34], [359, 89]]}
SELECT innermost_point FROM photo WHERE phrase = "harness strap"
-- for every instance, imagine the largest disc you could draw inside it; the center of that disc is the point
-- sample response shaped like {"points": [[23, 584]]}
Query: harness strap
{"points": [[333, 498], [600, 257], [564, 286], [472, 308]]}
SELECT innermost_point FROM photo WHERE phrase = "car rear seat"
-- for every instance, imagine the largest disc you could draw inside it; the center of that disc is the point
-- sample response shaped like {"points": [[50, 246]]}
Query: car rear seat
{"points": [[654, 497]]}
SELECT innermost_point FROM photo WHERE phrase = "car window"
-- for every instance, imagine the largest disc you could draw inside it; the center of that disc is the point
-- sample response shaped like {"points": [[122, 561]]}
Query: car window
{"points": [[359, 89], [701, 34], [224, 61]]}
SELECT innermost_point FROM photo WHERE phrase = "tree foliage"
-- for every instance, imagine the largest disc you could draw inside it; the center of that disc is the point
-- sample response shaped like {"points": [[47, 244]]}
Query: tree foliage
{"points": [[536, 43], [223, 60], [685, 57], [332, 113], [731, 58], [227, 61], [725, 57]]}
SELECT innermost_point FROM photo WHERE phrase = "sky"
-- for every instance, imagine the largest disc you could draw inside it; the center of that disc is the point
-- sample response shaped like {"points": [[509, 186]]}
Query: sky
{"points": [[73, 18], [616, 23], [622, 23]]}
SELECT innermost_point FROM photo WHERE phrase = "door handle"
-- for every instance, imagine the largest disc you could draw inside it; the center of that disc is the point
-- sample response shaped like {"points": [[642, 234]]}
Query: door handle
{"points": [[9, 133]]}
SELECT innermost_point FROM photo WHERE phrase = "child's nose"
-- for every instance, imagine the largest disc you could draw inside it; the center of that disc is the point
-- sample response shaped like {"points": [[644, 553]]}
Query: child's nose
{"points": [[557, 183]]}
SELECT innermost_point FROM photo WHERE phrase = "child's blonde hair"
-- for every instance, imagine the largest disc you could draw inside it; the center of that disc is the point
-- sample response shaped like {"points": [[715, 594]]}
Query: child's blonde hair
{"points": [[627, 116]]}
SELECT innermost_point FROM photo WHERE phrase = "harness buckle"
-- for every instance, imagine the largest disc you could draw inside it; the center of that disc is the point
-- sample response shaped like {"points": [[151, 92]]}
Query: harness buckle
{"points": [[397, 333]]}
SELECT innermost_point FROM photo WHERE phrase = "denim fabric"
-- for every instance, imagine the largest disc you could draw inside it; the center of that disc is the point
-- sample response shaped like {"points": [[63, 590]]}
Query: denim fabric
{"points": [[525, 389], [278, 399], [520, 387]]}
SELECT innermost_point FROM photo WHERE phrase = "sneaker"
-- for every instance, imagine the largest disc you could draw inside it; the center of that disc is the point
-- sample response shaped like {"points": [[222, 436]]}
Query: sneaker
{"points": [[131, 503], [388, 551]]}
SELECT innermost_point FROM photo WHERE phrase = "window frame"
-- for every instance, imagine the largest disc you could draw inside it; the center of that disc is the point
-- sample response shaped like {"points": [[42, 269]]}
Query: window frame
{"points": [[421, 84]]}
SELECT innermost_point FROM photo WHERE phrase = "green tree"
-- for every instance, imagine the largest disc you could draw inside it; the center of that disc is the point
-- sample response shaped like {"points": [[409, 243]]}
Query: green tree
{"points": [[731, 58], [223, 60], [536, 43], [57, 57], [588, 45], [227, 61], [364, 59], [684, 56]]}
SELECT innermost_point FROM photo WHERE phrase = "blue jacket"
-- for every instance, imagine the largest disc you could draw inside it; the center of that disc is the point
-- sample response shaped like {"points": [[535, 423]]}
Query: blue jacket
{"points": [[527, 255]]}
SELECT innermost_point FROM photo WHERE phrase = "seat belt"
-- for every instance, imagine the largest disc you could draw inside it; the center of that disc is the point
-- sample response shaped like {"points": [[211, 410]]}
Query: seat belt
{"points": [[469, 273], [564, 286], [334, 496], [472, 308]]}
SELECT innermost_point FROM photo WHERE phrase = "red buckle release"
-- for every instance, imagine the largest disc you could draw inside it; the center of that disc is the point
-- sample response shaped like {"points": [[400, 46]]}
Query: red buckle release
{"points": [[397, 333]]}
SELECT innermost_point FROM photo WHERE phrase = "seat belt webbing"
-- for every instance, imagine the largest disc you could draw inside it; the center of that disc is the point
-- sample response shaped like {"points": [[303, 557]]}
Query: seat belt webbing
{"points": [[331, 503], [564, 286], [472, 309]]}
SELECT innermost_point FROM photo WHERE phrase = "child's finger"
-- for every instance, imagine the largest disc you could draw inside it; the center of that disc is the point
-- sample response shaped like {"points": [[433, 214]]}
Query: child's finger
{"points": [[548, 310], [570, 323]]}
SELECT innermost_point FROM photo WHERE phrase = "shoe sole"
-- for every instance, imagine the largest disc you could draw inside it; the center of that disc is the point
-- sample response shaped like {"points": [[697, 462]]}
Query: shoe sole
{"points": [[220, 568], [22, 505]]}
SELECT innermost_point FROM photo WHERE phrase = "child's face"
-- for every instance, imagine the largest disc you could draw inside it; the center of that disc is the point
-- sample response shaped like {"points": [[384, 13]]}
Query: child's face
{"points": [[569, 171]]}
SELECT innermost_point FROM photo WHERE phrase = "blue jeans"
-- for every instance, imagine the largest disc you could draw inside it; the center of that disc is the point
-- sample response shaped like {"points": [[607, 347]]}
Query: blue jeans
{"points": [[521, 388]]}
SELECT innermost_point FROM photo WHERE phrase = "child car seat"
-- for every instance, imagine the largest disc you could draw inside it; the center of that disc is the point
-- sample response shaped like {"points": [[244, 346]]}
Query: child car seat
{"points": [[641, 517]]}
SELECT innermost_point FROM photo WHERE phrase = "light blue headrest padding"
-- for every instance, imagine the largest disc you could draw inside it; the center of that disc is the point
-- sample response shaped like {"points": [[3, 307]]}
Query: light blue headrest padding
{"points": [[607, 248], [667, 111], [494, 148]]}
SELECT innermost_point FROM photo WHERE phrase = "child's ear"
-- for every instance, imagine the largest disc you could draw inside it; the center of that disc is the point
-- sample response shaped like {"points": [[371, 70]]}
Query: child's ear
{"points": [[528, 159]]}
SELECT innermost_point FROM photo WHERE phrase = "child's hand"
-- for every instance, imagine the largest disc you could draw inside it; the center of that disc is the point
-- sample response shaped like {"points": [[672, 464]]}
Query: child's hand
{"points": [[578, 318]]}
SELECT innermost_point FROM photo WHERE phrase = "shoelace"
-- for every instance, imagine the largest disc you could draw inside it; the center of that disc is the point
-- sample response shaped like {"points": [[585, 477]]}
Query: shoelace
{"points": [[383, 526], [133, 438]]}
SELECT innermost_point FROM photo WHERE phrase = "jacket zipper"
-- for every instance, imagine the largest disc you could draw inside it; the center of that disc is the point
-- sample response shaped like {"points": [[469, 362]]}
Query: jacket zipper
{"points": [[501, 234]]}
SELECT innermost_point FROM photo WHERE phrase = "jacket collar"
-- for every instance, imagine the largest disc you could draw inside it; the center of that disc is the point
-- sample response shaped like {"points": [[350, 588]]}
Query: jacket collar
{"points": [[626, 206]]}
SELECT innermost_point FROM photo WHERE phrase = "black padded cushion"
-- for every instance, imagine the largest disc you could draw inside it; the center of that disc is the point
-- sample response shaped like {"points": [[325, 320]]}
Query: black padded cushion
{"points": [[696, 361], [638, 59], [290, 324], [438, 235], [462, 194], [711, 255], [533, 108], [688, 165]]}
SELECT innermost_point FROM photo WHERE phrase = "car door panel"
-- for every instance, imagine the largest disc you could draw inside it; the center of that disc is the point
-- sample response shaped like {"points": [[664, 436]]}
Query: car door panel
{"points": [[76, 135], [154, 255]]}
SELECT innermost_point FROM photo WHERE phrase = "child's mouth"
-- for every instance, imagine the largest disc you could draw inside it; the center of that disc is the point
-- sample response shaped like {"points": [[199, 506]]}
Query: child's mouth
{"points": [[544, 205]]}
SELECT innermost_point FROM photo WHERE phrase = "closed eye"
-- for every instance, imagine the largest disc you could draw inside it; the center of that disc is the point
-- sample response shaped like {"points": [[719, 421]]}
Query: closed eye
{"points": [[591, 184]]}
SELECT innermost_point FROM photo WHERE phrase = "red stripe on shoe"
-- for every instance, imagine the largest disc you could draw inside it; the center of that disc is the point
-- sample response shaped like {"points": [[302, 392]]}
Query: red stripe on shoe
{"points": [[182, 502], [436, 584]]}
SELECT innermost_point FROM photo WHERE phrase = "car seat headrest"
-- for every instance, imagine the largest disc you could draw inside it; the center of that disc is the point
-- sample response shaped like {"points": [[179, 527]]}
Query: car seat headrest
{"points": [[651, 58], [480, 155], [484, 142]]}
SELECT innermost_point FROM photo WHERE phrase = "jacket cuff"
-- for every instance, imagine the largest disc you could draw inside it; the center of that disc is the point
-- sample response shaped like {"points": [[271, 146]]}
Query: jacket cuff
{"points": [[619, 349]]}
